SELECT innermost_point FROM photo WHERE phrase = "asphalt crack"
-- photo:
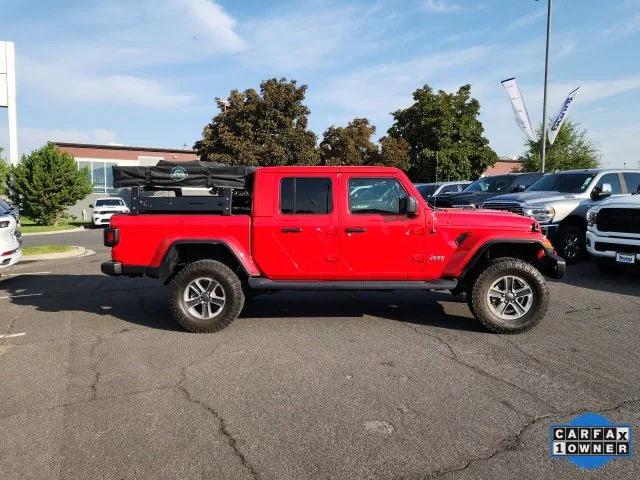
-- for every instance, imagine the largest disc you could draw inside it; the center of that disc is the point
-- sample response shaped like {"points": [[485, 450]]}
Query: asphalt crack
{"points": [[231, 440], [96, 366], [513, 442]]}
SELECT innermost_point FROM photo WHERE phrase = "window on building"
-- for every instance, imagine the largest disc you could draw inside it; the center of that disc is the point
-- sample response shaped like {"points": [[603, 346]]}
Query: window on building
{"points": [[305, 196], [100, 174]]}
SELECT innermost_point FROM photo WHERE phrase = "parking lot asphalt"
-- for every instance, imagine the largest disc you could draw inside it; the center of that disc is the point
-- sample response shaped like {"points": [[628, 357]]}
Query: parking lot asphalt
{"points": [[98, 382]]}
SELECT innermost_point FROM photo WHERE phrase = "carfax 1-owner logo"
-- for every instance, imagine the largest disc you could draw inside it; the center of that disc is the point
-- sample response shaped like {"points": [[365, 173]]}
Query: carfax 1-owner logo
{"points": [[590, 441]]}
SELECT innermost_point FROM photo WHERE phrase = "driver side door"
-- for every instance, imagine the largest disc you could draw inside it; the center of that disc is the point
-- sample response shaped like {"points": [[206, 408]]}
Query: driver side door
{"points": [[378, 242]]}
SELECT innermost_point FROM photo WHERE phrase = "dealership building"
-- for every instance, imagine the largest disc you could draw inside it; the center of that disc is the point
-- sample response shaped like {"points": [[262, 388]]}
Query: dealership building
{"points": [[100, 158]]}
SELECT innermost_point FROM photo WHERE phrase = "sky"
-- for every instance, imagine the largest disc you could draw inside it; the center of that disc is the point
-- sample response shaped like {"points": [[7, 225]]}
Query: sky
{"points": [[146, 72]]}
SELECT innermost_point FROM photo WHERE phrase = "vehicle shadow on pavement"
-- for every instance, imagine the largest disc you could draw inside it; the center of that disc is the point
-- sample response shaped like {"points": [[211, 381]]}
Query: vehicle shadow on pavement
{"points": [[144, 302], [414, 307], [587, 275]]}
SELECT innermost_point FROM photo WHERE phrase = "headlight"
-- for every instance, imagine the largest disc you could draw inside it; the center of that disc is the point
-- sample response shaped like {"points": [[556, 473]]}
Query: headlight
{"points": [[592, 216], [541, 214], [4, 224]]}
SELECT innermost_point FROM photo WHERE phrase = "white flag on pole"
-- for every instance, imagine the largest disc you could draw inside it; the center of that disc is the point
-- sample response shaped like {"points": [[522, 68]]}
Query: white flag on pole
{"points": [[562, 114], [519, 108]]}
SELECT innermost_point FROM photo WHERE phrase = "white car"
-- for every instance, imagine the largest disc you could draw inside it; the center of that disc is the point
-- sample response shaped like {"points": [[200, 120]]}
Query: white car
{"points": [[105, 208], [10, 251], [613, 232]]}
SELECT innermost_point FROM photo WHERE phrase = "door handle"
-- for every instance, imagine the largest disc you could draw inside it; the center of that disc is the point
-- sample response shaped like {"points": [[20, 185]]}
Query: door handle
{"points": [[355, 230], [291, 230]]}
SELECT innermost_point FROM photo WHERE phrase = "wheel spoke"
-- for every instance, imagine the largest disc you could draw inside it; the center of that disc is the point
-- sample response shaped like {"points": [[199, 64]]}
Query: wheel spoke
{"points": [[219, 302], [193, 302], [495, 293], [523, 292], [206, 311], [211, 287], [508, 284], [518, 308]]}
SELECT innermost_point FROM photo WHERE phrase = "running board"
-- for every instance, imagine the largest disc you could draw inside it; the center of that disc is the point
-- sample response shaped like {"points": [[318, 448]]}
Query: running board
{"points": [[260, 283]]}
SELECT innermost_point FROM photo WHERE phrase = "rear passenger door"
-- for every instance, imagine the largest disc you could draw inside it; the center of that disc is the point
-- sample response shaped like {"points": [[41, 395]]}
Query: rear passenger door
{"points": [[305, 233], [632, 180]]}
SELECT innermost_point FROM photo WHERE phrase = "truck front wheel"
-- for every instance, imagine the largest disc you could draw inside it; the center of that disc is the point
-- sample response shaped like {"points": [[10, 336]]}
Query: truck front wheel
{"points": [[206, 296], [509, 296]]}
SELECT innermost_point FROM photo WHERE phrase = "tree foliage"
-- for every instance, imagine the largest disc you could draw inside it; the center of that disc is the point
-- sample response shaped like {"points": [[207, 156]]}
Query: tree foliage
{"points": [[394, 152], [350, 145], [263, 128], [47, 182], [4, 175], [572, 149], [443, 129]]}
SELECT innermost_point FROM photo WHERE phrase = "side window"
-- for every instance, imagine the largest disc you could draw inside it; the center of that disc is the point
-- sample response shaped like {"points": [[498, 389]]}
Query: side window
{"points": [[375, 195], [632, 179], [612, 179], [305, 196], [449, 189]]}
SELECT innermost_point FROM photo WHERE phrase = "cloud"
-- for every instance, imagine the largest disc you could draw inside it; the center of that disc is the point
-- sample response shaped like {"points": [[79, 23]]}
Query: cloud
{"points": [[375, 91], [440, 6], [217, 24], [624, 29], [63, 83], [525, 20]]}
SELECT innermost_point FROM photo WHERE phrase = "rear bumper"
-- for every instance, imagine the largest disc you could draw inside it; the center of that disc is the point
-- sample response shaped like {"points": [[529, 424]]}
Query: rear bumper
{"points": [[115, 269], [553, 266]]}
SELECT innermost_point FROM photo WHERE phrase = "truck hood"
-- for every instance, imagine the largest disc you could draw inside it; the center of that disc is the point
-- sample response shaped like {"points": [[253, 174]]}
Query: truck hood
{"points": [[536, 198], [466, 198], [626, 201], [483, 218]]}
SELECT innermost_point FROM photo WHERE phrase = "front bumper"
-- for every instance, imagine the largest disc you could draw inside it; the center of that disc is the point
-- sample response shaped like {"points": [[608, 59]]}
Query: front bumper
{"points": [[552, 265], [101, 219], [609, 247], [550, 230]]}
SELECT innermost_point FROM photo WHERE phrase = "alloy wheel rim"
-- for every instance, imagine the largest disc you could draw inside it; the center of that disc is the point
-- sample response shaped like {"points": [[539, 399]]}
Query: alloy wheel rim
{"points": [[204, 298], [510, 297], [571, 246]]}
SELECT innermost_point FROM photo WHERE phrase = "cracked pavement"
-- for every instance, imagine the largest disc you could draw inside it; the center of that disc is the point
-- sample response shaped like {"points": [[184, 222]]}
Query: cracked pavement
{"points": [[304, 384]]}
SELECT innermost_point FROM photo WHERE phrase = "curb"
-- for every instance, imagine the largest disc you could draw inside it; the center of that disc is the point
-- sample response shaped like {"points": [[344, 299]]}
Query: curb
{"points": [[76, 252], [71, 230]]}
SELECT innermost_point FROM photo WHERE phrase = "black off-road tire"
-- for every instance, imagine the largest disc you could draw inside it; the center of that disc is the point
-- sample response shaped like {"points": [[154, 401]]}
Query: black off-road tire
{"points": [[228, 280], [491, 272], [565, 243]]}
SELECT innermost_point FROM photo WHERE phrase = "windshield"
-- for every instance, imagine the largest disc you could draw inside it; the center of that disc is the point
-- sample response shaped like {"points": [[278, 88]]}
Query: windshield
{"points": [[4, 207], [111, 202], [427, 189], [562, 182], [499, 184]]}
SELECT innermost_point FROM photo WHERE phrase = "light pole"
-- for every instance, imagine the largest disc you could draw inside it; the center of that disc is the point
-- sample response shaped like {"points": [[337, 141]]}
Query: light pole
{"points": [[544, 100]]}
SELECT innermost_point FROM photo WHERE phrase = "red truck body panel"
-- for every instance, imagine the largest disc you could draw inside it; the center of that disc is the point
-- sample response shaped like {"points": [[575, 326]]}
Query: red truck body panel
{"points": [[338, 245]]}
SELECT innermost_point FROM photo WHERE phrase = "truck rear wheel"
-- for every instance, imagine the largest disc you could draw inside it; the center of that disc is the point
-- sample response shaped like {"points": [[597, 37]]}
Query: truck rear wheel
{"points": [[206, 296], [509, 296]]}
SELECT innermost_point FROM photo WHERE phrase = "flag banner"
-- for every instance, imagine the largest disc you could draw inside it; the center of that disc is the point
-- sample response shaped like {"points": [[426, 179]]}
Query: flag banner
{"points": [[519, 108], [562, 114]]}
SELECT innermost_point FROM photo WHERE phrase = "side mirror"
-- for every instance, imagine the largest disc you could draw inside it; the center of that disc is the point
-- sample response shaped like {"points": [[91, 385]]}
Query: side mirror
{"points": [[518, 188], [91, 205], [599, 193], [412, 206]]}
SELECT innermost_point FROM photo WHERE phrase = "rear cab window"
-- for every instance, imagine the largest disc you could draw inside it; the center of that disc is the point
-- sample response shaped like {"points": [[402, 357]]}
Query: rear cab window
{"points": [[306, 196]]}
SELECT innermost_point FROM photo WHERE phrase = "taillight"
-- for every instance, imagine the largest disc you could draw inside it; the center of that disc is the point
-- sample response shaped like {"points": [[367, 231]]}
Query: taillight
{"points": [[111, 236], [4, 224]]}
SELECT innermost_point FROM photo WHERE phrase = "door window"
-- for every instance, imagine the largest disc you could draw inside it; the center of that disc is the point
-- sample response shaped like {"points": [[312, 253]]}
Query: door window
{"points": [[449, 189], [612, 179], [632, 179], [305, 196], [375, 195]]}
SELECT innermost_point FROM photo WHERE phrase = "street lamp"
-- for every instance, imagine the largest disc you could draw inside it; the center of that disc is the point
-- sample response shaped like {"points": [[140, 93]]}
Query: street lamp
{"points": [[544, 100]]}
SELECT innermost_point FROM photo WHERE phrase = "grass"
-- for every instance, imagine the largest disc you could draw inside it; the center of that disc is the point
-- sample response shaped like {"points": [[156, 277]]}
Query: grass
{"points": [[28, 226], [44, 249]]}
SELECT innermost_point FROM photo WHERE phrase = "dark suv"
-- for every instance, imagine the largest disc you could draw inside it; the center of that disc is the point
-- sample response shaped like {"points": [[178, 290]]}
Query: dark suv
{"points": [[488, 187]]}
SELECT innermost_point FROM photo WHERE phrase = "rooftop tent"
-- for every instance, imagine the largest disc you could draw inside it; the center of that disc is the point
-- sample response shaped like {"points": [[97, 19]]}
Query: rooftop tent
{"points": [[184, 174]]}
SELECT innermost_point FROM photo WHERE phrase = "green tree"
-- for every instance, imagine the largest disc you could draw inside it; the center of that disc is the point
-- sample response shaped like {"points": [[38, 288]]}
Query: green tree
{"points": [[394, 152], [572, 149], [264, 128], [48, 181], [350, 145], [443, 129], [4, 175]]}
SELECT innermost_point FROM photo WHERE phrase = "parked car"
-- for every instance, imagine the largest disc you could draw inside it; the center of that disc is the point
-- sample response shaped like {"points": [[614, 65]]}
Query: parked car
{"points": [[306, 231], [434, 191], [560, 201], [613, 232], [488, 187], [105, 208], [10, 251]]}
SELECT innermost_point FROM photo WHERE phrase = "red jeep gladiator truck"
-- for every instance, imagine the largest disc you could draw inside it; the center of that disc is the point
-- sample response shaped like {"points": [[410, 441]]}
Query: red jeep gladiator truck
{"points": [[320, 228]]}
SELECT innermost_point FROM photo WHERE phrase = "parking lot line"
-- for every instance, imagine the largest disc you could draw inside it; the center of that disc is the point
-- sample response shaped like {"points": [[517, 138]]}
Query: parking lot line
{"points": [[13, 335], [25, 273]]}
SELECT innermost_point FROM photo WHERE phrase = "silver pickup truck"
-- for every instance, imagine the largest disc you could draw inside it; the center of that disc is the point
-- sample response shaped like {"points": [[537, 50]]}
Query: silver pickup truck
{"points": [[560, 201]]}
